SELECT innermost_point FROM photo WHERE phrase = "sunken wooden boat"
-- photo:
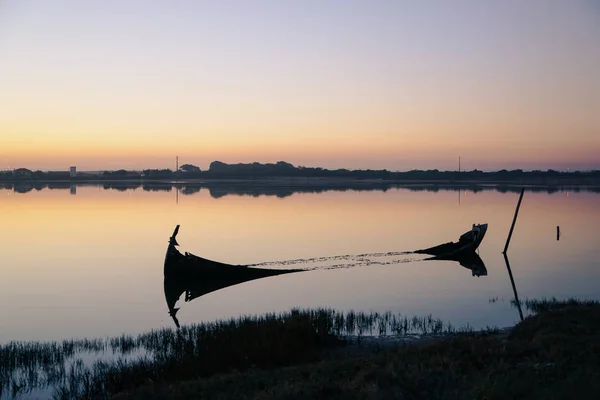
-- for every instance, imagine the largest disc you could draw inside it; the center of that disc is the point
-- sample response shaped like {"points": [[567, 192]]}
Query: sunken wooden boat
{"points": [[467, 244], [191, 266], [196, 276]]}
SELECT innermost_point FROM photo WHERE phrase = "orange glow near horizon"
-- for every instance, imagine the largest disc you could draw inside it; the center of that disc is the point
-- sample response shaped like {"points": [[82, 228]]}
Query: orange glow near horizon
{"points": [[360, 153], [369, 86]]}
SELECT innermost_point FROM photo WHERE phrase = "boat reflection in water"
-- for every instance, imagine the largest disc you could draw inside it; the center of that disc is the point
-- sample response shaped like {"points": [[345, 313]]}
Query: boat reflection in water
{"points": [[516, 302], [196, 276], [469, 260]]}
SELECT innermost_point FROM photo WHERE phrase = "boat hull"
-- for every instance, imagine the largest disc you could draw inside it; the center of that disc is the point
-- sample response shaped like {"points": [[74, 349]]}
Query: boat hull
{"points": [[467, 243], [196, 276], [188, 265]]}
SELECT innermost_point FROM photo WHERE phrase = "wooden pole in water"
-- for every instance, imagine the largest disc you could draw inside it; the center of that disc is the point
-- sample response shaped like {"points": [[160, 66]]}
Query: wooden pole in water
{"points": [[512, 227], [512, 281]]}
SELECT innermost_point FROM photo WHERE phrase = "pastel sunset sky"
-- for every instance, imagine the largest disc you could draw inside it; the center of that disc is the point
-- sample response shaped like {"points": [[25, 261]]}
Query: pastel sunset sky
{"points": [[107, 84]]}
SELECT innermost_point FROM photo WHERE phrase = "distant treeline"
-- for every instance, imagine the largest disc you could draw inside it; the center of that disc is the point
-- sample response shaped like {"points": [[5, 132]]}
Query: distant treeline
{"points": [[217, 189], [281, 169]]}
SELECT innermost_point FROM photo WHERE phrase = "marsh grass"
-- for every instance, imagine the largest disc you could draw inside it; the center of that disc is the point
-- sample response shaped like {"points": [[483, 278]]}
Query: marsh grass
{"points": [[551, 355], [543, 305], [166, 355]]}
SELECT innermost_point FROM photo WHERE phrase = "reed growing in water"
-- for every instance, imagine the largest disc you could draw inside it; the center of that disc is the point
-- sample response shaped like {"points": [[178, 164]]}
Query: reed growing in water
{"points": [[196, 350], [124, 363], [537, 306]]}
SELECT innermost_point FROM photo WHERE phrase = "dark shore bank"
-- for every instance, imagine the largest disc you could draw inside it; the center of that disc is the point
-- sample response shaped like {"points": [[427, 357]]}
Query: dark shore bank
{"points": [[552, 354]]}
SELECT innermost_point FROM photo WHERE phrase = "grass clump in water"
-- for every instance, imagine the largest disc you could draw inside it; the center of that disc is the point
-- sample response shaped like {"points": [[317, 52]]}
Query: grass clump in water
{"points": [[552, 355], [542, 305], [200, 350]]}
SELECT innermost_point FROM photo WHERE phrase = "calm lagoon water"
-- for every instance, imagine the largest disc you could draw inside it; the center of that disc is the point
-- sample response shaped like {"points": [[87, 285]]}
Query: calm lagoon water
{"points": [[87, 261]]}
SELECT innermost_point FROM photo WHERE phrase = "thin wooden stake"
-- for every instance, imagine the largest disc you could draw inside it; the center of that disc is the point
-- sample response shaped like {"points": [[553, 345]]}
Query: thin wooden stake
{"points": [[512, 227], [512, 281]]}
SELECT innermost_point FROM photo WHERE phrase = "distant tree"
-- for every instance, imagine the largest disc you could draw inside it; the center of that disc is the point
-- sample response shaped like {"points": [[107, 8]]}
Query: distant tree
{"points": [[38, 175], [189, 168], [58, 175], [119, 173], [22, 173], [158, 173]]}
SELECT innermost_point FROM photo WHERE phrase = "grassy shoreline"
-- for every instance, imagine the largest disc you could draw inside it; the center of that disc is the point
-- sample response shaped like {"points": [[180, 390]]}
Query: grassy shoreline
{"points": [[195, 350], [314, 353], [554, 354]]}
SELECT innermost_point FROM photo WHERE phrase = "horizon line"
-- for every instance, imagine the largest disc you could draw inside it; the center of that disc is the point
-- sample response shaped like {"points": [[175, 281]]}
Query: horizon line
{"points": [[101, 170]]}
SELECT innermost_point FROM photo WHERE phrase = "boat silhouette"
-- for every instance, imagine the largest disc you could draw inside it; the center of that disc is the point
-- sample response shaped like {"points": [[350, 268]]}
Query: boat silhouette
{"points": [[193, 276], [467, 243], [196, 276]]}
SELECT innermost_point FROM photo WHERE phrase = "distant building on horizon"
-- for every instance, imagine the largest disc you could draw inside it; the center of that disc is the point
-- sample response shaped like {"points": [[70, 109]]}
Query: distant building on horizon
{"points": [[73, 172]]}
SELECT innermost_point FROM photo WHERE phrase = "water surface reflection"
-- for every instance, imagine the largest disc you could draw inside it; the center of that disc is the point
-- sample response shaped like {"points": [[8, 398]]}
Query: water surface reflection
{"points": [[79, 255], [192, 276]]}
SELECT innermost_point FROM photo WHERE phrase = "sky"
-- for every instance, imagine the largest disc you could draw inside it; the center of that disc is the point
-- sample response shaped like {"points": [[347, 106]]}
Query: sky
{"points": [[400, 85]]}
